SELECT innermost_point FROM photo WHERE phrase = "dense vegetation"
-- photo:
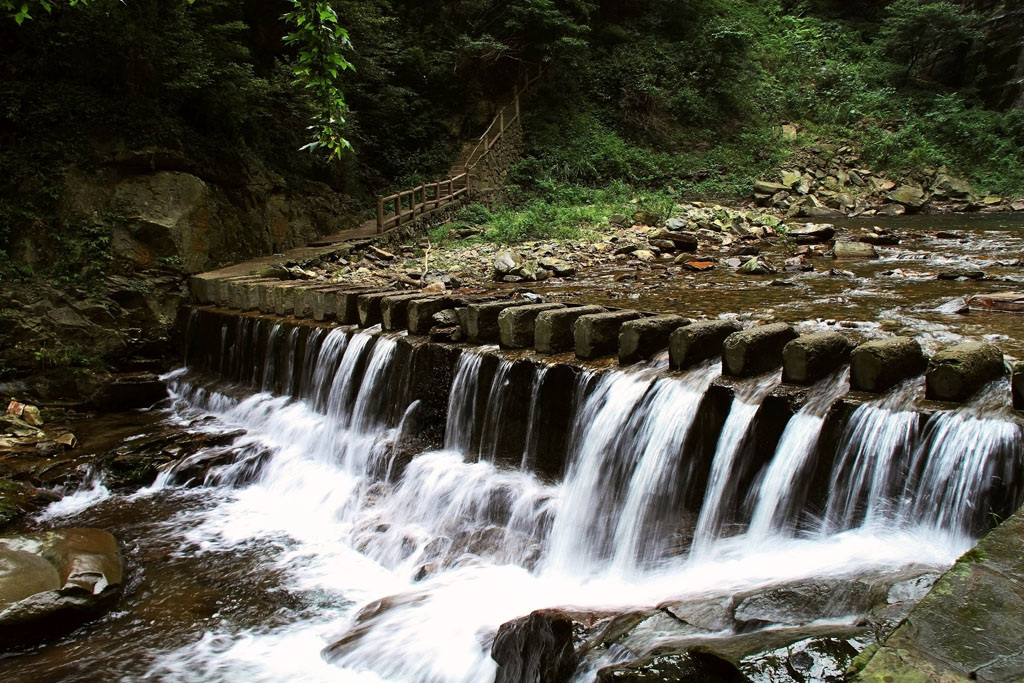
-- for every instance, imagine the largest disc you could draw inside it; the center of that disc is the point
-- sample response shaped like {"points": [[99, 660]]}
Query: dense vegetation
{"points": [[676, 96]]}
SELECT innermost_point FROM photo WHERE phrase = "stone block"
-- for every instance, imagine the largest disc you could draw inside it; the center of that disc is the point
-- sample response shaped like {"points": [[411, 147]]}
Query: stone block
{"points": [[369, 308], [480, 320], [957, 373], [698, 342], [420, 312], [553, 332], [516, 324], [347, 303], [598, 334], [812, 357], [755, 350], [284, 298], [880, 365], [642, 339], [394, 309]]}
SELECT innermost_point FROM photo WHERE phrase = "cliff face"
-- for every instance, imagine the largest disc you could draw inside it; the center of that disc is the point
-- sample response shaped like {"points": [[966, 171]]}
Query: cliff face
{"points": [[1001, 56]]}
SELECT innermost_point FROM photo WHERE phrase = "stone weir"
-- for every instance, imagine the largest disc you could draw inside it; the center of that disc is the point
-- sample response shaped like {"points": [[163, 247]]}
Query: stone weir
{"points": [[513, 392]]}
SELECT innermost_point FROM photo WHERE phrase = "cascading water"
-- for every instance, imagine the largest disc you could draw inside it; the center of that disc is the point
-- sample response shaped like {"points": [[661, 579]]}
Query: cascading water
{"points": [[406, 568]]}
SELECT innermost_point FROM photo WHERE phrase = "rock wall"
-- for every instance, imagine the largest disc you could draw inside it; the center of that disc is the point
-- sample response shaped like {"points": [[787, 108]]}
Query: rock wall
{"points": [[491, 170]]}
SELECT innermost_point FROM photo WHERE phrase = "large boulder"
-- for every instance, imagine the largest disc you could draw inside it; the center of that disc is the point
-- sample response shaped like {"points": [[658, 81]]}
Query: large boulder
{"points": [[53, 581], [811, 357], [539, 648], [1011, 302], [909, 196], [698, 342], [844, 249], [957, 373], [755, 350], [812, 233], [694, 666], [681, 241], [879, 365]]}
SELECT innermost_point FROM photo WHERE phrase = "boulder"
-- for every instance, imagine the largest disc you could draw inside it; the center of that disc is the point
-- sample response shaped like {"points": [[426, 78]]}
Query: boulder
{"points": [[879, 365], [645, 255], [52, 581], [802, 603], [844, 249], [698, 342], [516, 324], [1018, 385], [553, 332], [480, 322], [642, 338], [757, 266], [558, 267], [769, 188], [946, 185], [694, 666], [812, 357], [506, 263], [598, 334], [812, 233], [957, 373], [909, 196], [644, 217], [755, 350], [539, 647]]}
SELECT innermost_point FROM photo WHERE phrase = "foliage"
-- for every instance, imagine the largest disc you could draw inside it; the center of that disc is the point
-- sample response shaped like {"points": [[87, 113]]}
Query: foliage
{"points": [[916, 33]]}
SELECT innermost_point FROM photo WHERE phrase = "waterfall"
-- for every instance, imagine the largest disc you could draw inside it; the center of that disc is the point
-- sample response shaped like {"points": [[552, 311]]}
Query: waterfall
{"points": [[718, 497], [404, 564], [777, 501]]}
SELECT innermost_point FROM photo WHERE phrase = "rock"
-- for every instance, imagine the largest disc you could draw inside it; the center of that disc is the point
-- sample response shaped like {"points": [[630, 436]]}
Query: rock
{"points": [[957, 373], [947, 235], [677, 224], [992, 200], [909, 196], [597, 335], [789, 132], [695, 266], [67, 439], [646, 217], [811, 233], [641, 339], [516, 325], [958, 273], [892, 210], [446, 334], [755, 350], [768, 188], [536, 648], [394, 309], [968, 626], [1002, 301], [854, 250], [681, 241], [480, 323], [51, 582], [619, 219], [49, 449], [1017, 206], [625, 249], [698, 342], [802, 603], [812, 357], [790, 178], [644, 255], [445, 318], [818, 212], [757, 266], [946, 185], [420, 312], [381, 254], [880, 238], [30, 414], [558, 267], [1018, 385], [369, 306], [880, 365], [957, 306], [506, 263], [10, 424], [747, 251], [432, 288], [694, 666], [554, 331]]}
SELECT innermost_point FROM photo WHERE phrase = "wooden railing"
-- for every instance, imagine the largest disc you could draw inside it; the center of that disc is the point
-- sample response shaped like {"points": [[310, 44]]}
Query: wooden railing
{"points": [[404, 206]]}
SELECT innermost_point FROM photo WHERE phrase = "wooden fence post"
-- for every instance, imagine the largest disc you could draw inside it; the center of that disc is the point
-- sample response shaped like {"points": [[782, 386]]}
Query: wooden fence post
{"points": [[380, 214]]}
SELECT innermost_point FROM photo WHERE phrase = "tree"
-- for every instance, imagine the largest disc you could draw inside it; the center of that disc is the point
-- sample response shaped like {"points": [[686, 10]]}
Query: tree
{"points": [[320, 43], [916, 33]]}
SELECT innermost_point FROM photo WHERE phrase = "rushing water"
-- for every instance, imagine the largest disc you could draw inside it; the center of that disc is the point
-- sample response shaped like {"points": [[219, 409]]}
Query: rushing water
{"points": [[312, 532]]}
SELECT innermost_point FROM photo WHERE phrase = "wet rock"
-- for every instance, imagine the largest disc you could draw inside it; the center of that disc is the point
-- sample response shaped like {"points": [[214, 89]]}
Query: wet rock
{"points": [[817, 660], [695, 666], [733, 262], [957, 306], [957, 373], [644, 255], [892, 210], [910, 590], [802, 603], [854, 250], [713, 614], [30, 414], [1003, 301], [445, 318], [968, 626], [1018, 385], [695, 266], [947, 235], [598, 335], [812, 357], [641, 339], [757, 266], [881, 238], [449, 334], [755, 350], [909, 196], [49, 449], [539, 648], [554, 332], [480, 324], [698, 342], [51, 582], [879, 365], [516, 325], [9, 424], [681, 241], [961, 273]]}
